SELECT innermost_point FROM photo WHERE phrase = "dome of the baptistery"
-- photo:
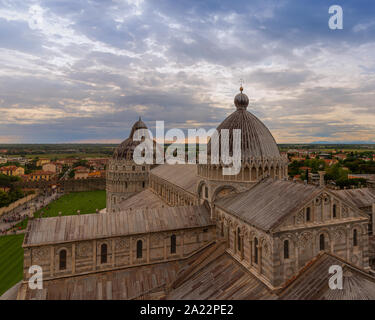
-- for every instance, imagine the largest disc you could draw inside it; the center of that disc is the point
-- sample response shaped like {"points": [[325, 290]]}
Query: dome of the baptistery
{"points": [[126, 149]]}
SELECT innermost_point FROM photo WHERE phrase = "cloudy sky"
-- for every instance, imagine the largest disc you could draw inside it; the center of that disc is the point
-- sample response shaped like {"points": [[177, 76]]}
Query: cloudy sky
{"points": [[83, 71]]}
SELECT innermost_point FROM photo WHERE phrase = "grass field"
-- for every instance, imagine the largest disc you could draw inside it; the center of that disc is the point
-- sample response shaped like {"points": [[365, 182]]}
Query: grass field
{"points": [[11, 252], [68, 204], [11, 261]]}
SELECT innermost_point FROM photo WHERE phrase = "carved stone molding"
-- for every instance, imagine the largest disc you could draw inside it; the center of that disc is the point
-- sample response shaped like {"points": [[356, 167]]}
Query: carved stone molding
{"points": [[122, 243], [40, 252], [84, 249]]}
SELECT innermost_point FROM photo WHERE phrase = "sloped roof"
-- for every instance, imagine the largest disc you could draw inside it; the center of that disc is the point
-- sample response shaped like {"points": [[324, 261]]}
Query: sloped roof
{"points": [[268, 202], [125, 284], [143, 199], [360, 198], [181, 175], [222, 279], [312, 282], [95, 226]]}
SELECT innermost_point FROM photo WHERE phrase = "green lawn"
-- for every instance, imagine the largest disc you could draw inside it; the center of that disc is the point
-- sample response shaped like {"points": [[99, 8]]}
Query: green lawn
{"points": [[68, 204], [11, 261], [11, 252]]}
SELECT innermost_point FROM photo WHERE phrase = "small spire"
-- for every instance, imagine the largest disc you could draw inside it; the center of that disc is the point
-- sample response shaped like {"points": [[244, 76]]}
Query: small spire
{"points": [[139, 118], [241, 85]]}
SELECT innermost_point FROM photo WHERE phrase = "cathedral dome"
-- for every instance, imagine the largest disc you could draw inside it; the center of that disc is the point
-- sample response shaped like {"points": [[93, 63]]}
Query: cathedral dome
{"points": [[256, 140], [126, 148]]}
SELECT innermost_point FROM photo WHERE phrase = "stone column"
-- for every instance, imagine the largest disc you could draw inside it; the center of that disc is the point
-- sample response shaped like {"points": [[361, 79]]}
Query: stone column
{"points": [[373, 218], [321, 178], [251, 253], [94, 255], [148, 248], [296, 255], [52, 268], [332, 242], [131, 250], [165, 248], [113, 253], [227, 237], [213, 217], [347, 242], [73, 258], [182, 251], [259, 258], [242, 249]]}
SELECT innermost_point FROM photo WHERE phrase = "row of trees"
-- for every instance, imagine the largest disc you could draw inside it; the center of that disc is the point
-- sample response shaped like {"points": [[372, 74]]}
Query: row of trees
{"points": [[335, 173], [14, 194]]}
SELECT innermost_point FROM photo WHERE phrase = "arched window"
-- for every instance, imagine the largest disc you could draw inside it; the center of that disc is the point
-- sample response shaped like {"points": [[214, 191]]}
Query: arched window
{"points": [[206, 192], [308, 214], [133, 168], [62, 260], [139, 249], [256, 250], [286, 249], [238, 239], [334, 211], [173, 243], [143, 184], [222, 229], [355, 238], [103, 253], [321, 242]]}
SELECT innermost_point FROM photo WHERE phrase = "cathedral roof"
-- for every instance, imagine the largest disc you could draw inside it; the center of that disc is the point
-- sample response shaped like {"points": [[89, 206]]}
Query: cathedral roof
{"points": [[256, 140], [126, 148], [143, 199], [312, 282], [95, 226], [181, 175], [362, 197], [268, 202]]}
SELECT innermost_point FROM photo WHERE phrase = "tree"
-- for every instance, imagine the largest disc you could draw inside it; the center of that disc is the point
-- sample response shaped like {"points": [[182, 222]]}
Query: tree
{"points": [[71, 174]]}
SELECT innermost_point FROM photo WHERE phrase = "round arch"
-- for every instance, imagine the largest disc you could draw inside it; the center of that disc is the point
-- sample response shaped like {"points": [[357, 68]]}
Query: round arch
{"points": [[216, 193]]}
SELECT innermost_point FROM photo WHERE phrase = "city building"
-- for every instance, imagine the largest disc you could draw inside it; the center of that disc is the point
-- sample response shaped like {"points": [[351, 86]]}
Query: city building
{"points": [[41, 162], [39, 175], [81, 172], [12, 171], [51, 167]]}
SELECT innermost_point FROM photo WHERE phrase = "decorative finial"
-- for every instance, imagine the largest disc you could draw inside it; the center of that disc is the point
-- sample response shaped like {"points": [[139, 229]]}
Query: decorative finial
{"points": [[241, 85], [241, 100]]}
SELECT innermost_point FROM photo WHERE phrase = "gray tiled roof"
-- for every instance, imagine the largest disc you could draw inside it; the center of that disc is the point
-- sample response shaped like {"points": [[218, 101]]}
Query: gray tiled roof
{"points": [[268, 202], [94, 226]]}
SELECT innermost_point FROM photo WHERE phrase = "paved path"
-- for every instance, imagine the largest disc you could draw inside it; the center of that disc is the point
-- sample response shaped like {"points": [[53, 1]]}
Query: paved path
{"points": [[23, 211]]}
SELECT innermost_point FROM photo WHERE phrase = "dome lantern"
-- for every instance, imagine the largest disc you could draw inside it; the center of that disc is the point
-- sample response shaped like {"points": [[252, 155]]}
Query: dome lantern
{"points": [[241, 100]]}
